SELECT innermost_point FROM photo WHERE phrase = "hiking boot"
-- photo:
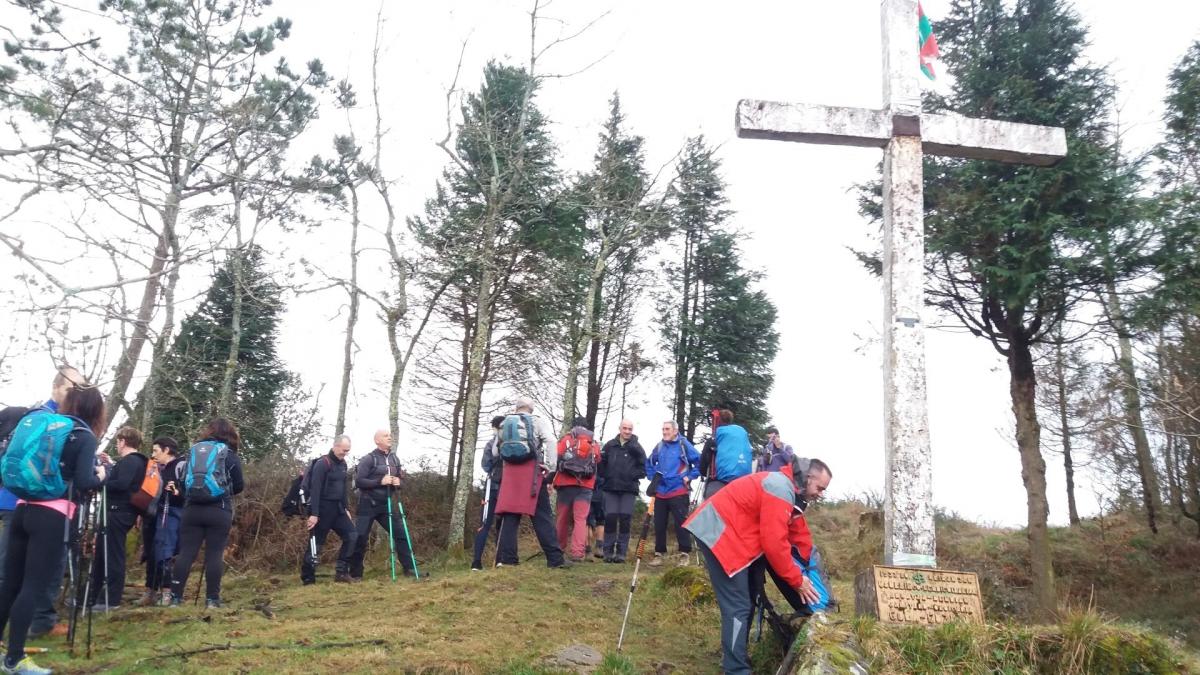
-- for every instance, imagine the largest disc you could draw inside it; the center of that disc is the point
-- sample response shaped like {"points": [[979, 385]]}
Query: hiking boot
{"points": [[599, 551], [148, 598], [355, 580], [212, 603], [341, 578], [25, 666], [685, 559], [657, 561], [165, 599]]}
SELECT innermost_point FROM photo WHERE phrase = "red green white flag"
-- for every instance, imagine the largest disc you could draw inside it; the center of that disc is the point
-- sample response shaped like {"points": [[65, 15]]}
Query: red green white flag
{"points": [[928, 43]]}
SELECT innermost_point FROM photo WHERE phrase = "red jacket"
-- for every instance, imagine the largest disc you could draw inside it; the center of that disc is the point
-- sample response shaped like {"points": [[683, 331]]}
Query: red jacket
{"points": [[587, 447], [753, 516]]}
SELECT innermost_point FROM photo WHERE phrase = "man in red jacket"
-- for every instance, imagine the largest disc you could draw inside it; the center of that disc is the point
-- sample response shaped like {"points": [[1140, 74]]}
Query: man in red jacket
{"points": [[753, 516]]}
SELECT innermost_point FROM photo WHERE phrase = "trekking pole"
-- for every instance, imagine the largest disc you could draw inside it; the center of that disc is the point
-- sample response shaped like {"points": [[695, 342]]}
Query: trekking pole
{"points": [[392, 536], [487, 498], [404, 521], [104, 537], [641, 549], [637, 564], [82, 583], [200, 581]]}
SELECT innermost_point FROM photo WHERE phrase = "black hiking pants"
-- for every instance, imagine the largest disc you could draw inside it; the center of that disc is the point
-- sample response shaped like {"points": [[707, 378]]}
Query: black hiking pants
{"points": [[206, 524], [676, 508], [108, 574], [331, 515], [32, 568], [371, 512], [543, 527], [481, 535]]}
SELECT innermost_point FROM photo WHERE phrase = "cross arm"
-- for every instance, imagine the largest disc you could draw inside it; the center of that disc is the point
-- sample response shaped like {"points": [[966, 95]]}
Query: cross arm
{"points": [[807, 123], [1012, 142], [946, 135]]}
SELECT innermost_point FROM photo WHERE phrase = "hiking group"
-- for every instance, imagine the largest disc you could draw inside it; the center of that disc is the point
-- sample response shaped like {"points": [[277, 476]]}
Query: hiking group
{"points": [[749, 522], [67, 509]]}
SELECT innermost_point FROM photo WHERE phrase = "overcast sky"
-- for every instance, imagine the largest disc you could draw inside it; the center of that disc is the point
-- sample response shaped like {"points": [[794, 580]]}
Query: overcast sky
{"points": [[680, 68]]}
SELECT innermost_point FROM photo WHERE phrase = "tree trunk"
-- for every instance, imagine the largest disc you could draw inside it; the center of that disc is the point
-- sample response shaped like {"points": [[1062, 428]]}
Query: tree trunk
{"points": [[682, 365], [339, 427], [585, 337], [1064, 420], [1022, 388], [225, 399], [127, 364], [456, 539], [1132, 397], [150, 392]]}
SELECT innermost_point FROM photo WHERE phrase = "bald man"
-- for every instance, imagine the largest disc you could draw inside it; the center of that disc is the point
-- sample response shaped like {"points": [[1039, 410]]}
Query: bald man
{"points": [[622, 468], [378, 480]]}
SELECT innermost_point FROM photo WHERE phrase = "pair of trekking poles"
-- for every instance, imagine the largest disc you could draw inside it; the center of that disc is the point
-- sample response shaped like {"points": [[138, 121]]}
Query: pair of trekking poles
{"points": [[91, 526], [312, 538]]}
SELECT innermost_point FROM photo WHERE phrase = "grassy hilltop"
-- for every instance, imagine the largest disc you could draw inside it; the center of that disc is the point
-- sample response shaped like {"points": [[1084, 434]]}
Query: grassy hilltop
{"points": [[1145, 592]]}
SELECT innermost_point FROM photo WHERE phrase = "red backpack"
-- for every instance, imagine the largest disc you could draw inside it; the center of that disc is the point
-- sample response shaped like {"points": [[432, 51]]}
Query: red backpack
{"points": [[579, 457]]}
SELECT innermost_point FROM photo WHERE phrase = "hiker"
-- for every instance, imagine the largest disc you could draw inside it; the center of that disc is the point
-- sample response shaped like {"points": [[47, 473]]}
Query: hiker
{"points": [[727, 453], [524, 441], [674, 459], [622, 467], [211, 478], [108, 575], [595, 518], [160, 534], [751, 517], [494, 468], [816, 477], [574, 482], [45, 615], [36, 552], [378, 478], [329, 510], [775, 453]]}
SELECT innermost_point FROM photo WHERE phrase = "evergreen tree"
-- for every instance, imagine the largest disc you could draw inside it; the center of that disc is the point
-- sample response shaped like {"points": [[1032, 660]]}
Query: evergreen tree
{"points": [[718, 328], [193, 370], [1012, 249]]}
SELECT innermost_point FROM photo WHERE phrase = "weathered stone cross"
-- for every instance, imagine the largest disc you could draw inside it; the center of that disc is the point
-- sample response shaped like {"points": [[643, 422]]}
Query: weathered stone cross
{"points": [[905, 133]]}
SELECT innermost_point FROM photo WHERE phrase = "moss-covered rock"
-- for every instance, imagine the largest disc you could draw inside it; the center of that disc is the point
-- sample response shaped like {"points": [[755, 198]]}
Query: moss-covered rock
{"points": [[692, 581]]}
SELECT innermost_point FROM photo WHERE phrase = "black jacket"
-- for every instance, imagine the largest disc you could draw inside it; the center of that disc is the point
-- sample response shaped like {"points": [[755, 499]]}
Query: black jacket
{"points": [[328, 483], [370, 472], [125, 477], [172, 473], [622, 466]]}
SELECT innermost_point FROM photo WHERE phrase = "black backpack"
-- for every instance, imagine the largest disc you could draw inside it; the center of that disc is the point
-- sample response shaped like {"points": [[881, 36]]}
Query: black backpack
{"points": [[296, 502]]}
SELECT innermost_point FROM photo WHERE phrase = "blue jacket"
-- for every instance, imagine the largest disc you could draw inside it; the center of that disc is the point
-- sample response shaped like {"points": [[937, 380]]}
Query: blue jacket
{"points": [[674, 460]]}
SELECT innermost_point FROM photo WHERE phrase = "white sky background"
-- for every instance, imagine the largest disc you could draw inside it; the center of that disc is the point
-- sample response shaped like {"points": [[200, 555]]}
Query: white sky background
{"points": [[680, 68]]}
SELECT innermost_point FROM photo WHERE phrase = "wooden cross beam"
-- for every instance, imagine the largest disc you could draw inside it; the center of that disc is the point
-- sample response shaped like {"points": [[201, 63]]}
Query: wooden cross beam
{"points": [[905, 134]]}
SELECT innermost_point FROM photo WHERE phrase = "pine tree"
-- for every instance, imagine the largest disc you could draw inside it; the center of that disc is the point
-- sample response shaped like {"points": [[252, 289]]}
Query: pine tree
{"points": [[718, 328], [192, 372]]}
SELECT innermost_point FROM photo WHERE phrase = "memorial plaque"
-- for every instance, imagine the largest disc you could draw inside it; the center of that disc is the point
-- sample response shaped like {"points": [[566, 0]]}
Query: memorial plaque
{"points": [[923, 597]]}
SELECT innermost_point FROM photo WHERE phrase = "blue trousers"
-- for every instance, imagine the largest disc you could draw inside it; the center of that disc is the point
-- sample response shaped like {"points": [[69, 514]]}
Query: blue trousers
{"points": [[733, 598]]}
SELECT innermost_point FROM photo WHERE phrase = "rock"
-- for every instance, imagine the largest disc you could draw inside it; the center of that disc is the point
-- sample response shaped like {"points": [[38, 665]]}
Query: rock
{"points": [[602, 587], [578, 658], [693, 581]]}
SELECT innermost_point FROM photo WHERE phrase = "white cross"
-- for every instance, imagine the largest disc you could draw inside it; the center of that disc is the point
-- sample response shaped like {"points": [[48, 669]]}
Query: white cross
{"points": [[905, 133]]}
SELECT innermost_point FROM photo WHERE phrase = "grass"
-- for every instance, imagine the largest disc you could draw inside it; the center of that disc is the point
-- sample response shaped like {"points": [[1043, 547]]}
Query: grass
{"points": [[497, 621]]}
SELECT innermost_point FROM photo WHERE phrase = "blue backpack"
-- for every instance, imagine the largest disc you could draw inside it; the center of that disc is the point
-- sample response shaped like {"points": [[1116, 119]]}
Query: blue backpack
{"points": [[813, 570], [517, 439], [31, 466], [735, 456], [205, 478]]}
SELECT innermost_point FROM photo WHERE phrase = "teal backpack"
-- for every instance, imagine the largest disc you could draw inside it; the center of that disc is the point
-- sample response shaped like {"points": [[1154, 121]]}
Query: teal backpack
{"points": [[32, 455]]}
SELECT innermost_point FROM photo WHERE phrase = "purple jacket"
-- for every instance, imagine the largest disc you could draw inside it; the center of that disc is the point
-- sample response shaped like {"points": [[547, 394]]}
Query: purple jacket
{"points": [[772, 459]]}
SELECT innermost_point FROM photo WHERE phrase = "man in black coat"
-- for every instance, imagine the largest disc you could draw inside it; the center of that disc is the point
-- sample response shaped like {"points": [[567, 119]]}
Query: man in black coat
{"points": [[330, 510], [622, 467], [377, 478]]}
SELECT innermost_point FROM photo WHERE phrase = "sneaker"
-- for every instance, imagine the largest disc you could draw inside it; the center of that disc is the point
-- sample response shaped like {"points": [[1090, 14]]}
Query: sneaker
{"points": [[599, 552], [619, 558], [101, 607], [580, 559], [212, 603], [25, 666], [685, 559], [355, 580], [657, 561], [176, 601], [165, 600], [341, 578], [477, 568], [608, 557]]}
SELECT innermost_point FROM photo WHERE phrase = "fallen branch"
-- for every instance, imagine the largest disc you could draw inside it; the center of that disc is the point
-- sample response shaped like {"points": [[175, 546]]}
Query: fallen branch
{"points": [[228, 646]]}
